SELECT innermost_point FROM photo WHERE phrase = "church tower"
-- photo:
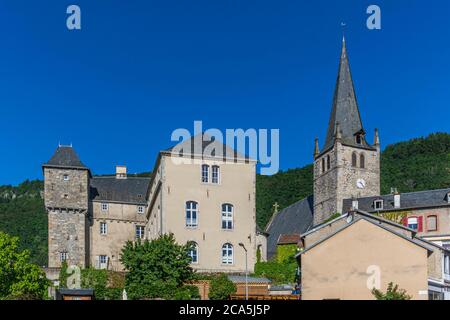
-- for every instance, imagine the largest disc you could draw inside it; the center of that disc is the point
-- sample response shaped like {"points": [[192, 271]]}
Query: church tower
{"points": [[66, 196], [346, 166]]}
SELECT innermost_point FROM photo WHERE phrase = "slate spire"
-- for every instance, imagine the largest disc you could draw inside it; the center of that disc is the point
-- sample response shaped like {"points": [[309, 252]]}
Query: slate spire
{"points": [[344, 113]]}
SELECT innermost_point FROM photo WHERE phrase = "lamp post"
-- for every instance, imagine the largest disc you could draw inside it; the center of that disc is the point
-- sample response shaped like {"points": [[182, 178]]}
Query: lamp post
{"points": [[246, 270]]}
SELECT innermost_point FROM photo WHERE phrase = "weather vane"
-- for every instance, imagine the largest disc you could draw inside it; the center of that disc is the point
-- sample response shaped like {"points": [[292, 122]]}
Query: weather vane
{"points": [[343, 25]]}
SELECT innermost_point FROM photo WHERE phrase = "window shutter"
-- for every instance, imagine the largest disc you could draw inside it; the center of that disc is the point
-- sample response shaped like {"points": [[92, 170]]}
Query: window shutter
{"points": [[419, 224], [405, 221]]}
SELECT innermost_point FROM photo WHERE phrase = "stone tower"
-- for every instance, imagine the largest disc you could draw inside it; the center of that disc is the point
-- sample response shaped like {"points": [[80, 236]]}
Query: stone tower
{"points": [[347, 166], [66, 194]]}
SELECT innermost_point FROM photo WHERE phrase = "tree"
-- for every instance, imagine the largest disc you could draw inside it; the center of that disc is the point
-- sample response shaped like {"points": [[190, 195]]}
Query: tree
{"points": [[392, 293], [220, 287], [157, 268], [19, 279]]}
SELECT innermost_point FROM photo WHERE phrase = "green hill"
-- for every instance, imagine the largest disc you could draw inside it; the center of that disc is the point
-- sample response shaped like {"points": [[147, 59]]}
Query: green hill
{"points": [[418, 164]]}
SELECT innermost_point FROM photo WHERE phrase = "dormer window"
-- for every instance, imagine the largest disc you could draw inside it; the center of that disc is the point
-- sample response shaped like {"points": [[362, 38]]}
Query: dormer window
{"points": [[378, 204], [358, 139]]}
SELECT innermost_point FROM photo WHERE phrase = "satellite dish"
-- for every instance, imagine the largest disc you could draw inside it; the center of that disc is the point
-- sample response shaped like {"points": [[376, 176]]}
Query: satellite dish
{"points": [[349, 218]]}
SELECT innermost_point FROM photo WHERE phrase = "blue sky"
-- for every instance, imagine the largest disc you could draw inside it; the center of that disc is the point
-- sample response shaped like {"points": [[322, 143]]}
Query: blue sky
{"points": [[140, 69]]}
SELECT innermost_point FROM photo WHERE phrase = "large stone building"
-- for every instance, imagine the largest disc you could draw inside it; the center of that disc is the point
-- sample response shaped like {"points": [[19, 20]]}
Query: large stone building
{"points": [[207, 200]]}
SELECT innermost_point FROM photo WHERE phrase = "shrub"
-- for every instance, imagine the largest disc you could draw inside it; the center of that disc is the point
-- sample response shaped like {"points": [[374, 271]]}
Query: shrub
{"points": [[221, 288]]}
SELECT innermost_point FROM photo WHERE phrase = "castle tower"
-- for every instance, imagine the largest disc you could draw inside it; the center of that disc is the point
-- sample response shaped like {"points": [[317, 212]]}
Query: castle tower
{"points": [[66, 195], [347, 166]]}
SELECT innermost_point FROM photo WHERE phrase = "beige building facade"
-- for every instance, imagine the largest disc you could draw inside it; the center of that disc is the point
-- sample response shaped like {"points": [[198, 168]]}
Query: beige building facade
{"points": [[349, 256], [206, 200]]}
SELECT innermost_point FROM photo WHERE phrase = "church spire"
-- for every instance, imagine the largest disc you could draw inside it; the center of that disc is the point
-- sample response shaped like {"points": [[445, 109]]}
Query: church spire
{"points": [[345, 108]]}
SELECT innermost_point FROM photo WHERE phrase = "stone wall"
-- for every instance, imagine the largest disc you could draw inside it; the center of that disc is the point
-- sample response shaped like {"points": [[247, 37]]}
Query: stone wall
{"points": [[334, 185], [66, 234]]}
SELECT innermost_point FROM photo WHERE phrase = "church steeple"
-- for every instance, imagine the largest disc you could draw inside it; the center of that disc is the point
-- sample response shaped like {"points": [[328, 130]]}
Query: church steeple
{"points": [[345, 110], [347, 165]]}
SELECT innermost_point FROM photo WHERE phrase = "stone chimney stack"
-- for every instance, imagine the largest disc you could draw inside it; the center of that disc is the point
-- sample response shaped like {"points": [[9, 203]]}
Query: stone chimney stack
{"points": [[397, 203], [121, 172]]}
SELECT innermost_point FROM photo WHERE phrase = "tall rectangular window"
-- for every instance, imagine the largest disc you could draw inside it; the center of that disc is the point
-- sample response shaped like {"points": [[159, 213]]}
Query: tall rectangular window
{"points": [[205, 173], [140, 232], [215, 174], [227, 216], [63, 256], [432, 223], [103, 261], [104, 207], [103, 228], [191, 214]]}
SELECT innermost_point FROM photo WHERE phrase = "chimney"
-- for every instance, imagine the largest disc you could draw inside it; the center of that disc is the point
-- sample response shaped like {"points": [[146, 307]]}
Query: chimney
{"points": [[121, 172], [396, 199], [354, 204]]}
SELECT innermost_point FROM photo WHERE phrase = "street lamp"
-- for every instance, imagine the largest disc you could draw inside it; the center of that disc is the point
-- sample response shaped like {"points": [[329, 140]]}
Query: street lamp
{"points": [[246, 270]]}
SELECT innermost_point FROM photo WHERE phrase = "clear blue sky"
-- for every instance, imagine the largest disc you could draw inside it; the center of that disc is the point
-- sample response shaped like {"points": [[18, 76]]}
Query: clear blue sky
{"points": [[140, 69]]}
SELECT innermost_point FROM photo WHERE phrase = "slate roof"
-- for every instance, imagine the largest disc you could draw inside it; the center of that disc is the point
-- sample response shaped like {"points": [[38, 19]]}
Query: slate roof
{"points": [[295, 219], [345, 109], [131, 190], [410, 200], [65, 157], [203, 144]]}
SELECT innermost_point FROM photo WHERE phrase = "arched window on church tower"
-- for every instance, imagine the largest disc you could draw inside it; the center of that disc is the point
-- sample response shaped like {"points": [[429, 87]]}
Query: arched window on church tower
{"points": [[354, 160], [328, 162], [362, 161], [323, 165]]}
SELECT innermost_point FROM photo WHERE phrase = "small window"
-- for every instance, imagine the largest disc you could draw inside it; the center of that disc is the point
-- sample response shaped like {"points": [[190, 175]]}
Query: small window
{"points": [[227, 216], [447, 265], [103, 261], [140, 209], [358, 139], [63, 256], [103, 228], [66, 196], [140, 232], [378, 204], [354, 160], [104, 207], [323, 165], [227, 253], [328, 162], [66, 177], [432, 223], [193, 252], [215, 174], [191, 214], [413, 223], [362, 161], [205, 173]]}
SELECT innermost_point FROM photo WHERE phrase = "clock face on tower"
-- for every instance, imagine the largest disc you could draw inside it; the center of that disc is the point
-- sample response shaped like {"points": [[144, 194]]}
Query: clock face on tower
{"points": [[360, 184]]}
